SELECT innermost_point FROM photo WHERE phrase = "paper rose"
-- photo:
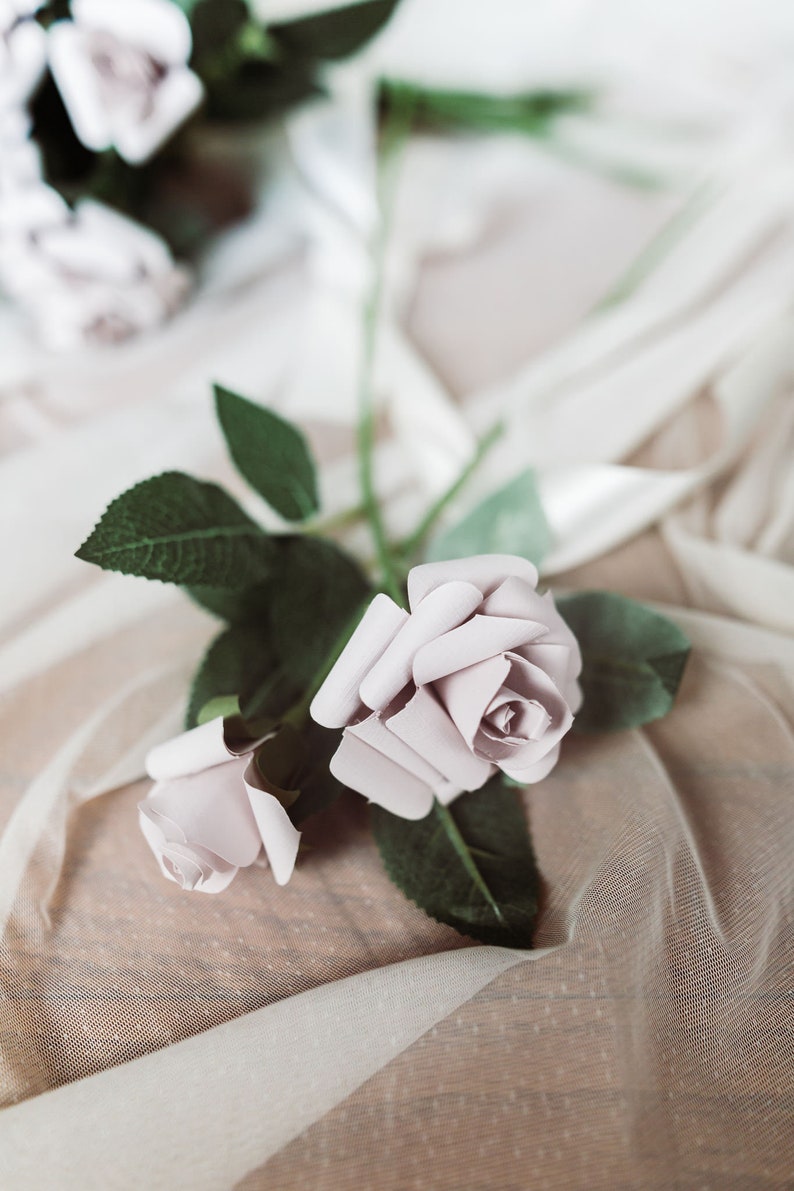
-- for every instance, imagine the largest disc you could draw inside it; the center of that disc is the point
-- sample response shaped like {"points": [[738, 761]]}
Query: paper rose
{"points": [[85, 277], [208, 814], [121, 68], [480, 676], [23, 52], [20, 162]]}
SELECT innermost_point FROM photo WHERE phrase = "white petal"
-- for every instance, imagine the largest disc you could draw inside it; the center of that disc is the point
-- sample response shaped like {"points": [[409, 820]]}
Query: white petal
{"points": [[338, 702], [77, 82], [479, 638], [191, 752], [133, 239], [157, 26], [467, 693], [537, 771], [380, 779], [485, 571], [444, 609], [516, 598], [32, 208], [179, 94], [374, 732], [210, 810], [276, 830], [424, 725], [25, 59]]}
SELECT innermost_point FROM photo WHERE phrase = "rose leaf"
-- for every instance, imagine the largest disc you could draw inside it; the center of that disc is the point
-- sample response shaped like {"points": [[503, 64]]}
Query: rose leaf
{"points": [[470, 865], [239, 658], [633, 660], [177, 529], [293, 766], [270, 453], [235, 605], [509, 521], [336, 33], [318, 590]]}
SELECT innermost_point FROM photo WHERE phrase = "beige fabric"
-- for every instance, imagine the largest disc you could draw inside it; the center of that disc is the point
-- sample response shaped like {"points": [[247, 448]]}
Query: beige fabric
{"points": [[328, 1034]]}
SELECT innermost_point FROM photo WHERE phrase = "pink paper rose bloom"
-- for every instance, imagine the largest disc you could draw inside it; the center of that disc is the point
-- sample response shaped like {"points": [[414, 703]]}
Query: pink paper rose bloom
{"points": [[85, 277], [23, 53], [480, 676], [208, 813], [121, 68]]}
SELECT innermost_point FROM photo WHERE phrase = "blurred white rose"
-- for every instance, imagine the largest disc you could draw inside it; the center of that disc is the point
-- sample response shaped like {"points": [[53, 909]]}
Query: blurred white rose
{"points": [[121, 68], [85, 277], [20, 162], [23, 53]]}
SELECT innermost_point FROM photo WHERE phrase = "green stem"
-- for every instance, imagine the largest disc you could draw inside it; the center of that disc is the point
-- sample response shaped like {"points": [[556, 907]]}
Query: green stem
{"points": [[411, 544], [341, 520], [394, 133], [465, 857], [659, 247]]}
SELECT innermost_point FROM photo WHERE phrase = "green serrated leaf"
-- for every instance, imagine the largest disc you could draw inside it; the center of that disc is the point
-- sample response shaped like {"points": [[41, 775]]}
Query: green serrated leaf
{"points": [[216, 24], [260, 90], [235, 605], [179, 530], [633, 660], [238, 657], [317, 590], [509, 521], [469, 865], [293, 765], [270, 453], [336, 33], [267, 693]]}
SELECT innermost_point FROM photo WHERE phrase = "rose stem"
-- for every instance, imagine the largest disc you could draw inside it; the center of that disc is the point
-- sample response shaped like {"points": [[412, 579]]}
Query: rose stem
{"points": [[395, 132], [339, 521], [411, 544]]}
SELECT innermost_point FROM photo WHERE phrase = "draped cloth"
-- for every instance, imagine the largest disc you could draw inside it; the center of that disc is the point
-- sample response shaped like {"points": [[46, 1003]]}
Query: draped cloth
{"points": [[328, 1034]]}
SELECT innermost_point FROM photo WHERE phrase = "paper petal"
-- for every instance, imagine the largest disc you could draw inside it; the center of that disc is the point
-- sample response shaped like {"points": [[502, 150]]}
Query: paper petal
{"points": [[441, 611], [467, 693], [193, 868], [532, 683], [557, 662], [136, 242], [374, 732], [32, 208], [157, 26], [26, 49], [424, 725], [276, 830], [515, 598], [210, 810], [176, 97], [537, 771], [191, 752], [338, 702], [479, 638], [486, 571], [77, 83], [381, 780]]}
